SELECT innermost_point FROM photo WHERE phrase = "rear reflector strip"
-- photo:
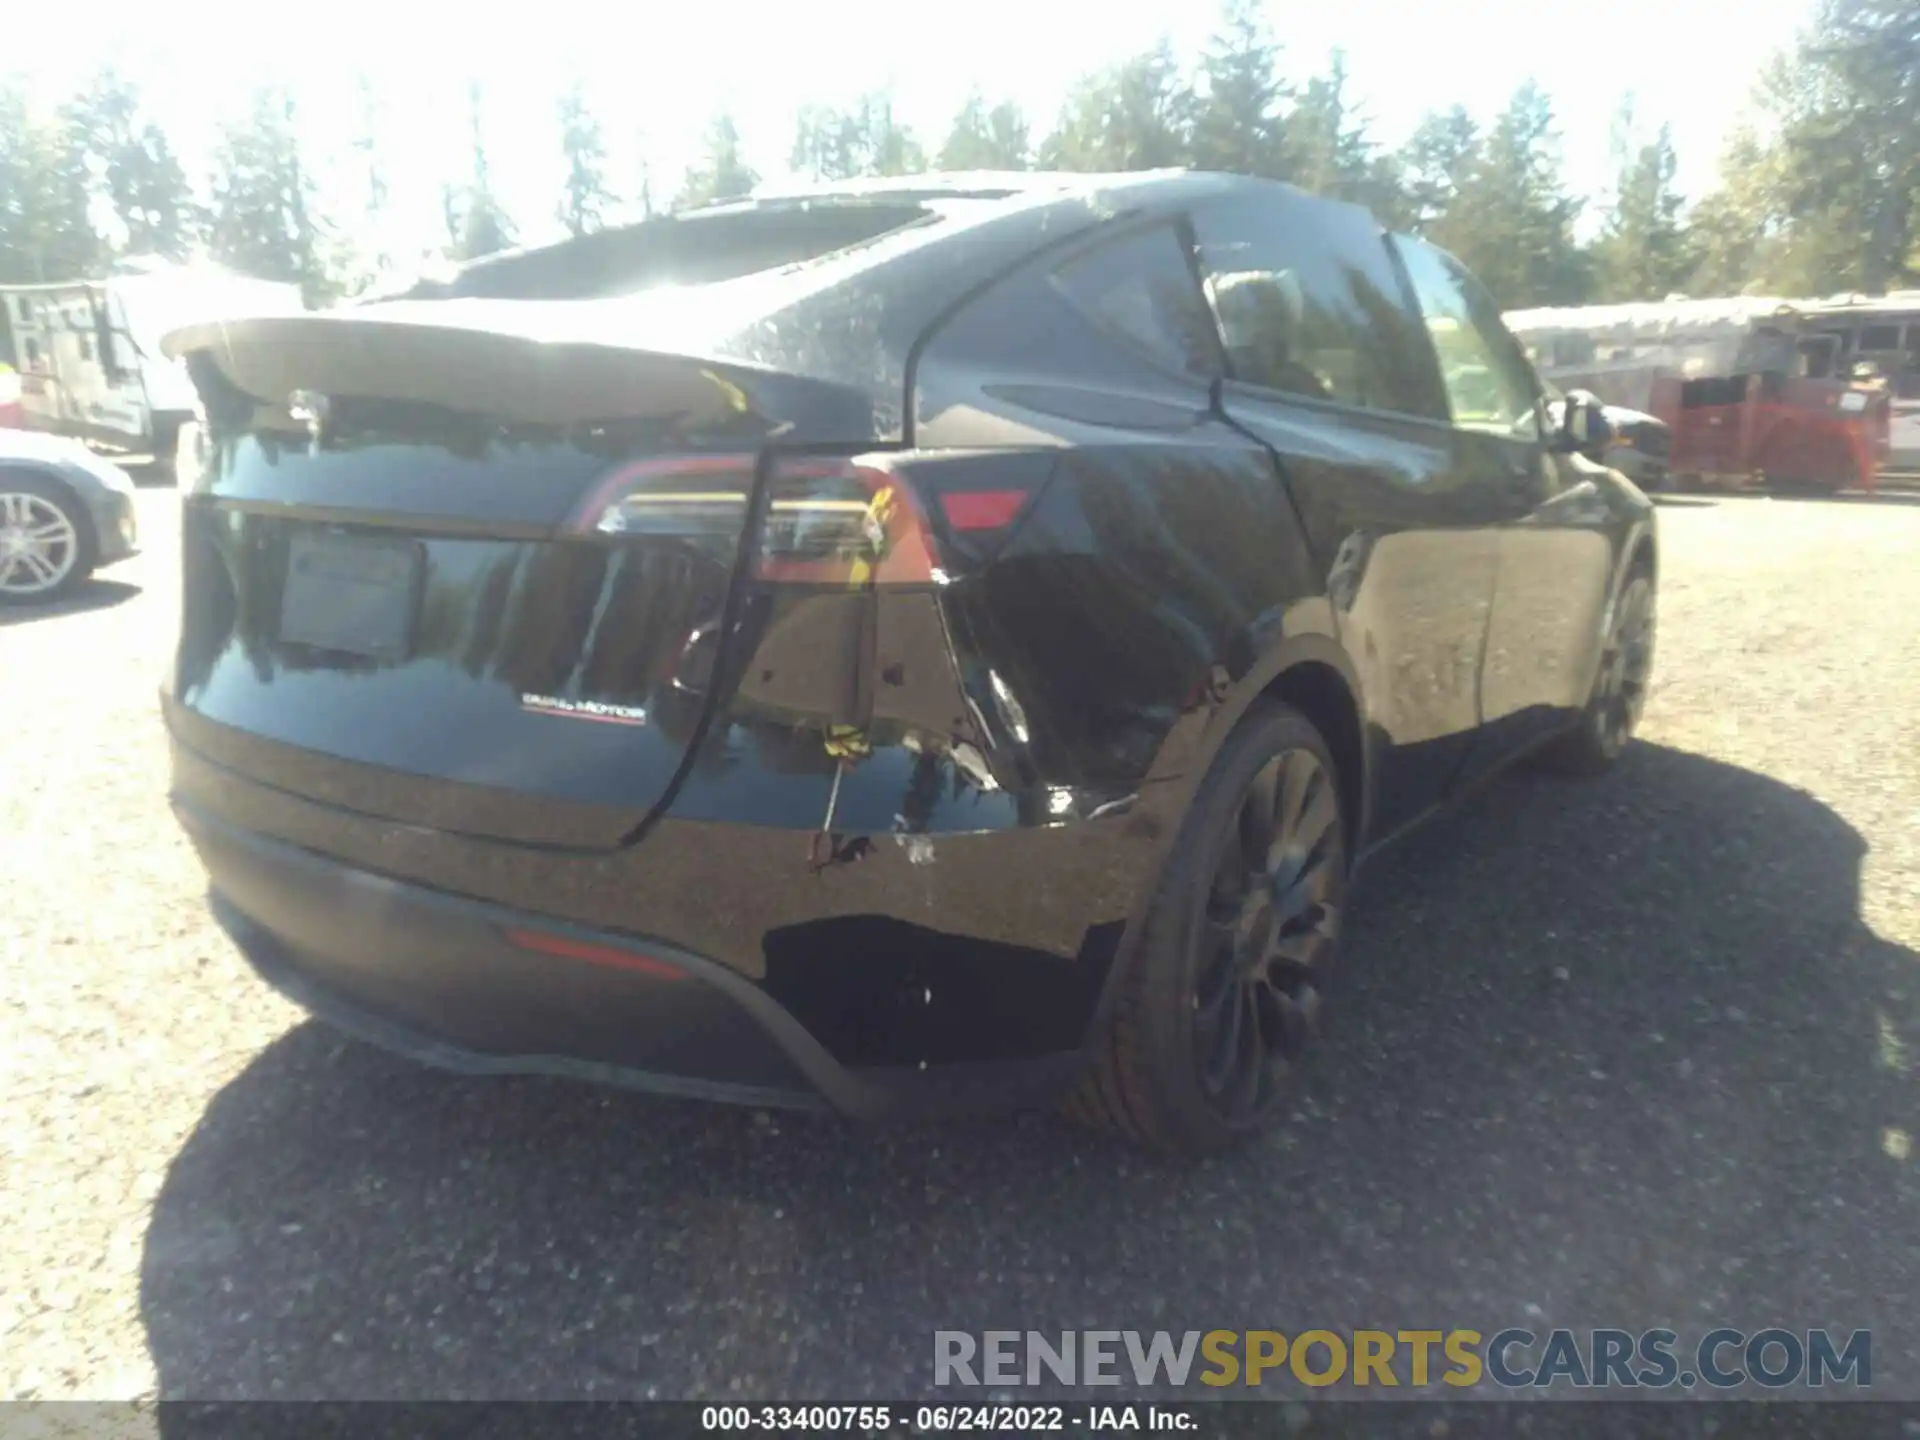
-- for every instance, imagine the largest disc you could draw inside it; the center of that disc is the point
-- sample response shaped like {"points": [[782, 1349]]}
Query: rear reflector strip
{"points": [[982, 509], [608, 955]]}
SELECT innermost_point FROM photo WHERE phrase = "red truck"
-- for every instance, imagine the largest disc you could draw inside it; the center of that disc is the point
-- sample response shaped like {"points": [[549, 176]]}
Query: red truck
{"points": [[1750, 389]]}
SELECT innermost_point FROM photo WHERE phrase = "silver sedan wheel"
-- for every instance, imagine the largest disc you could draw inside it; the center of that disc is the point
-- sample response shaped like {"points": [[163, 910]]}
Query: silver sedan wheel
{"points": [[39, 545]]}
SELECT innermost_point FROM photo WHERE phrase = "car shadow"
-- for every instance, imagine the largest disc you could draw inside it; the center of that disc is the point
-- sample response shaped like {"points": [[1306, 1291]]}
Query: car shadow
{"points": [[90, 595], [1682, 502], [1610, 1054]]}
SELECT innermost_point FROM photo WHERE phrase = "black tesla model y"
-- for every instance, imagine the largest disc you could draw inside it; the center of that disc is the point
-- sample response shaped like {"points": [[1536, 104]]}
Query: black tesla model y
{"points": [[941, 643]]}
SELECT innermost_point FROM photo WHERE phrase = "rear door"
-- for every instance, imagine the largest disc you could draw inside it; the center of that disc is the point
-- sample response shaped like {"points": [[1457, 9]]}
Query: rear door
{"points": [[1555, 554], [1330, 370]]}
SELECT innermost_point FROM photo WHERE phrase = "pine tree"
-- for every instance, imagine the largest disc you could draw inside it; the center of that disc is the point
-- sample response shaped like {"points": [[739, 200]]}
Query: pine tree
{"points": [[831, 144], [375, 195], [156, 200], [1138, 115], [826, 144], [722, 172], [1642, 252], [983, 139], [891, 148], [144, 180], [46, 194], [1237, 120], [265, 220], [480, 223], [587, 196], [1510, 221], [1849, 112], [1331, 153], [1435, 165]]}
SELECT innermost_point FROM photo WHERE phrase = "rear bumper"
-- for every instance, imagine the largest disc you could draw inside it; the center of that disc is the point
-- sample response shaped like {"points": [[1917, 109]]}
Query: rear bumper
{"points": [[437, 979]]}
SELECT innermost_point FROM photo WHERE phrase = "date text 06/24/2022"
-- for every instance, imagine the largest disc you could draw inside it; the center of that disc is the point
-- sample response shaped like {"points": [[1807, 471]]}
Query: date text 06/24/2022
{"points": [[945, 1419]]}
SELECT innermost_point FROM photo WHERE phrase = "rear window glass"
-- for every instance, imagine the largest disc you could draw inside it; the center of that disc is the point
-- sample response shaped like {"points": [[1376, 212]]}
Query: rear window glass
{"points": [[695, 249], [1141, 289]]}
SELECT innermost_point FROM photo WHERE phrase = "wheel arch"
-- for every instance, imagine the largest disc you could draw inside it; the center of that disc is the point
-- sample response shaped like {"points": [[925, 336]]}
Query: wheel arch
{"points": [[82, 512], [1643, 549], [1320, 692], [1312, 673]]}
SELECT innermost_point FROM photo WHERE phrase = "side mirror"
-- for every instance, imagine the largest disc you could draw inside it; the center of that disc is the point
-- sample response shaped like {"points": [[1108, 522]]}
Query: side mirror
{"points": [[1584, 427]]}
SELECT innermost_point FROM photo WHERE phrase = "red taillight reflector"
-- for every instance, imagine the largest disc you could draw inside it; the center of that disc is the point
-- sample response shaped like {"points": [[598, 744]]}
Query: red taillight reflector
{"points": [[608, 955], [982, 509]]}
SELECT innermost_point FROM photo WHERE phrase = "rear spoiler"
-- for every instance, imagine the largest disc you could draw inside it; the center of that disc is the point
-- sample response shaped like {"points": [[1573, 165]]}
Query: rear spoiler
{"points": [[521, 367]]}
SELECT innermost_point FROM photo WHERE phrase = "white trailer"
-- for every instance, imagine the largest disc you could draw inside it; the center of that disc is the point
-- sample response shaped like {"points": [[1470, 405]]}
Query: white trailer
{"points": [[88, 351]]}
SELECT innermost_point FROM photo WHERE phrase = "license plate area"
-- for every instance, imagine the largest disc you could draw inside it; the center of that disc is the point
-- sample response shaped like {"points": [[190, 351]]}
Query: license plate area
{"points": [[353, 594]]}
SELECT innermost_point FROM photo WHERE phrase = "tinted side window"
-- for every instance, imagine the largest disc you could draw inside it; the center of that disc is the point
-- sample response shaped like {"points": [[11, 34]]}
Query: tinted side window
{"points": [[1308, 303], [1880, 337], [1489, 384], [1141, 288]]}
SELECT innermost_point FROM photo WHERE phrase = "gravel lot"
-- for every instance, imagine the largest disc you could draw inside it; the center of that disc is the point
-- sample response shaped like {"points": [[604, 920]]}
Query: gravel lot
{"points": [[1630, 1053]]}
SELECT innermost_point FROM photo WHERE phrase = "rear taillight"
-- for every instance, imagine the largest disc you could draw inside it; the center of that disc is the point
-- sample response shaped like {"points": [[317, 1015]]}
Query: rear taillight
{"points": [[844, 522], [827, 520], [699, 497]]}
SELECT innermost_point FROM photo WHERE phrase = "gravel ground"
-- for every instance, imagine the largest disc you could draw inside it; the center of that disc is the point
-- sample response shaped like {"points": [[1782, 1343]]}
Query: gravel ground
{"points": [[1631, 1053]]}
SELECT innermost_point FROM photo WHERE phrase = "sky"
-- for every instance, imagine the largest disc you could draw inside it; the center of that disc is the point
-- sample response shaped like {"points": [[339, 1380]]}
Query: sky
{"points": [[655, 73]]}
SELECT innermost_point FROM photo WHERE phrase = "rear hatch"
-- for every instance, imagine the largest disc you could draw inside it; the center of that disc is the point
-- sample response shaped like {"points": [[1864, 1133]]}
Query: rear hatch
{"points": [[445, 563]]}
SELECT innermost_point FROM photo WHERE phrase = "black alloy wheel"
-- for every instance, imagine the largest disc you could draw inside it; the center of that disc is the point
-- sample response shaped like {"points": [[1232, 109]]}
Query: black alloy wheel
{"points": [[1223, 986], [1267, 933], [1620, 687]]}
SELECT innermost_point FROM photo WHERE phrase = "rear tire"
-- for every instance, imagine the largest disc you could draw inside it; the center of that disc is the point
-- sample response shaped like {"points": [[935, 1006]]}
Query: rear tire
{"points": [[1597, 738], [1830, 471], [1840, 473], [1222, 989]]}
